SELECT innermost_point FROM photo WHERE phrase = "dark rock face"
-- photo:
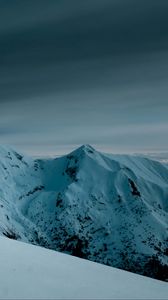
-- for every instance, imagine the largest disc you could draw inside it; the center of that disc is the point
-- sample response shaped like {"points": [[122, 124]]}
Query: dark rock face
{"points": [[134, 189], [11, 235]]}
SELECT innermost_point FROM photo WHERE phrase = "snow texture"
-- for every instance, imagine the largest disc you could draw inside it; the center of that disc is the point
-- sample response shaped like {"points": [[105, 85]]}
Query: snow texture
{"points": [[31, 272]]}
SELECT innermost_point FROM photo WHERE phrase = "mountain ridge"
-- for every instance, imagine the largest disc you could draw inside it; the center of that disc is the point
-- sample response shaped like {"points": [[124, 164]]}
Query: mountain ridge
{"points": [[110, 209]]}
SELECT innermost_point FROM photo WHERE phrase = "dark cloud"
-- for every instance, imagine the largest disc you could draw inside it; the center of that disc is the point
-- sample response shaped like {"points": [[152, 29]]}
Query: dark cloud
{"points": [[67, 64], [41, 40]]}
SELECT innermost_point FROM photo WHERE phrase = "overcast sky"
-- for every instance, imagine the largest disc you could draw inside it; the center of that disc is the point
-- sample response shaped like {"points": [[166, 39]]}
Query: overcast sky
{"points": [[84, 71]]}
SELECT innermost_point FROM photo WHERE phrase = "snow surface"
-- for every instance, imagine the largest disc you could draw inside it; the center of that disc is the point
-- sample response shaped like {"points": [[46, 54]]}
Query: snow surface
{"points": [[31, 272]]}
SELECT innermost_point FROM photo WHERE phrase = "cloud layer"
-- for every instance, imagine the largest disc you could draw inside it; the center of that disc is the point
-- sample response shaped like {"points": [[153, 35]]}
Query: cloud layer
{"points": [[92, 71]]}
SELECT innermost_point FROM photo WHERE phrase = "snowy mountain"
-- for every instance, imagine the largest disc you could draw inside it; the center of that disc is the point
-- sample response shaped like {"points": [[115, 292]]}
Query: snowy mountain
{"points": [[30, 272], [111, 209]]}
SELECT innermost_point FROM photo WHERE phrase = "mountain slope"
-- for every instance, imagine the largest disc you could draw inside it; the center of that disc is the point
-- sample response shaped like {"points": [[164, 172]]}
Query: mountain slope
{"points": [[29, 272], [110, 209]]}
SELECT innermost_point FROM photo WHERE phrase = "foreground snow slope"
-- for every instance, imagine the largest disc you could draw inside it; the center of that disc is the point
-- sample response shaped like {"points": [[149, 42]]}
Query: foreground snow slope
{"points": [[30, 272], [111, 209]]}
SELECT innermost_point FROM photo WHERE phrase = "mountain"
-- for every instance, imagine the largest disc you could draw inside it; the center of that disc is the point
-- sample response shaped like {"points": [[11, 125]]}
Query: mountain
{"points": [[111, 209], [31, 272]]}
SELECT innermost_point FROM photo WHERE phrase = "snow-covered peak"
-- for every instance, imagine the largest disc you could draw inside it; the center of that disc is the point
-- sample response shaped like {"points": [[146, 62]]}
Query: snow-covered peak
{"points": [[107, 208], [87, 148], [84, 149]]}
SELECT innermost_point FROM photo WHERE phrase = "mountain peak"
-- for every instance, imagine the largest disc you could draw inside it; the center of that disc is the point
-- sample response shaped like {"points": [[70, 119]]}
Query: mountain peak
{"points": [[107, 208], [84, 149], [87, 147]]}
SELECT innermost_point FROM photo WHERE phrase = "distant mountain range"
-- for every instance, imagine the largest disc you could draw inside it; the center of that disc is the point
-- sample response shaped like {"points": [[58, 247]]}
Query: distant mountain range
{"points": [[111, 209]]}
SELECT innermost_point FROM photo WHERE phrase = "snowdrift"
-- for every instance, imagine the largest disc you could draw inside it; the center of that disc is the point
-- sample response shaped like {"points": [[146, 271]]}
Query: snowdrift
{"points": [[31, 272]]}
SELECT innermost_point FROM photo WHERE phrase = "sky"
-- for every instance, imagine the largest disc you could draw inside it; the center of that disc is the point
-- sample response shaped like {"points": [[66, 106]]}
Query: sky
{"points": [[84, 72]]}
